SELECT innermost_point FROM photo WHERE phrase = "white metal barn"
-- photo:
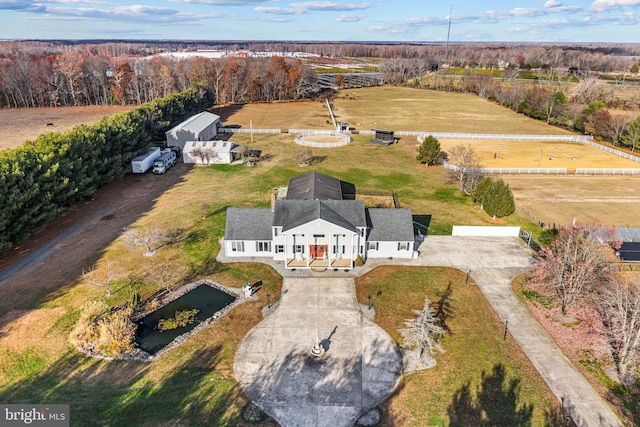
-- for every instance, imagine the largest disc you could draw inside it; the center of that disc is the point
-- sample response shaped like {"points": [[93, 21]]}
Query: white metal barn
{"points": [[211, 152], [201, 127]]}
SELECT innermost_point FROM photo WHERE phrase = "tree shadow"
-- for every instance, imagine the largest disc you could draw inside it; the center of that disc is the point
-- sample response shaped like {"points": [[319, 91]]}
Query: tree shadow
{"points": [[495, 402], [126, 393]]}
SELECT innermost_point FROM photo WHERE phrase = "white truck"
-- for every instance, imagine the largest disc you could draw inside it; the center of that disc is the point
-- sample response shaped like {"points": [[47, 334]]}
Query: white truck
{"points": [[143, 162], [164, 162]]}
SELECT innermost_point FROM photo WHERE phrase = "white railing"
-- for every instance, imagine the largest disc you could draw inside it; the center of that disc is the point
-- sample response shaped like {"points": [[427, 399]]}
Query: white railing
{"points": [[547, 171], [244, 130], [607, 171], [344, 138], [498, 136]]}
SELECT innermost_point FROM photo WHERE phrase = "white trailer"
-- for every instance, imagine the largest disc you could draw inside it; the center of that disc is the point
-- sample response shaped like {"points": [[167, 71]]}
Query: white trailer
{"points": [[164, 162], [143, 162]]}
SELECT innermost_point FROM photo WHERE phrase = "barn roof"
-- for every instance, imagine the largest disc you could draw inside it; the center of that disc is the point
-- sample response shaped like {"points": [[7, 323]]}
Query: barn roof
{"points": [[318, 186], [390, 225], [197, 123]]}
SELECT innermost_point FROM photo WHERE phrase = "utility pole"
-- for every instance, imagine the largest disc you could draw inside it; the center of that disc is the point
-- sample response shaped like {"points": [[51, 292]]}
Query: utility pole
{"points": [[446, 53]]}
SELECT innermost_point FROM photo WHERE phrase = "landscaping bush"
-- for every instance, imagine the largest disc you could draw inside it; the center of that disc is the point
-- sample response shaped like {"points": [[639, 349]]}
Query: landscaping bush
{"points": [[104, 332], [498, 200], [429, 151]]}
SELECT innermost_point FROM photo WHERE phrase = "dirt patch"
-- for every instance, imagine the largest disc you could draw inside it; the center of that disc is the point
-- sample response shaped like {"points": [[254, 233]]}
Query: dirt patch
{"points": [[18, 125], [24, 329], [56, 256]]}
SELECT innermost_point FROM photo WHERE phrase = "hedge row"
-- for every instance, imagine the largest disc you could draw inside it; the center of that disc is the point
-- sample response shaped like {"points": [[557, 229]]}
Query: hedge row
{"points": [[44, 177]]}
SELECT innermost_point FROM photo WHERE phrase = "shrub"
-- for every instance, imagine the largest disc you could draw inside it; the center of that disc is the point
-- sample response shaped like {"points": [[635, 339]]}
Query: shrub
{"points": [[102, 331], [498, 200], [429, 151]]}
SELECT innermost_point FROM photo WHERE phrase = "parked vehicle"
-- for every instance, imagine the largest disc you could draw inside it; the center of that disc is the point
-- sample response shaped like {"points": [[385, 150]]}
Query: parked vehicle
{"points": [[176, 149], [164, 162], [144, 162]]}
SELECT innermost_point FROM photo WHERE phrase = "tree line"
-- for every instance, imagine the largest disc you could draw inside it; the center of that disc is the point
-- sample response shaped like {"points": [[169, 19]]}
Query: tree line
{"points": [[44, 177], [75, 79]]}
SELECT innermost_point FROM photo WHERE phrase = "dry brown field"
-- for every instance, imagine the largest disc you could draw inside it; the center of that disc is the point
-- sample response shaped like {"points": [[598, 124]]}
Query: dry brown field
{"points": [[604, 200], [21, 124], [536, 154]]}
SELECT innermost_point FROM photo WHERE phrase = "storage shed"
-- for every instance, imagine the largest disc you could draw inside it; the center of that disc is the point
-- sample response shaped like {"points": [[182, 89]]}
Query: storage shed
{"points": [[201, 127]]}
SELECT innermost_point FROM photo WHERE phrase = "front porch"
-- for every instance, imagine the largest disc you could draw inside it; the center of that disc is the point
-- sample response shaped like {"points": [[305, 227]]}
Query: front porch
{"points": [[301, 262]]}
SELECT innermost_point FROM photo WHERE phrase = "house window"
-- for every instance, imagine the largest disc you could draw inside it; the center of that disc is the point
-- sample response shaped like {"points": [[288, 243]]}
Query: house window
{"points": [[361, 230], [372, 246], [338, 249], [403, 246], [277, 231], [318, 236], [279, 249], [237, 246], [263, 246], [298, 249]]}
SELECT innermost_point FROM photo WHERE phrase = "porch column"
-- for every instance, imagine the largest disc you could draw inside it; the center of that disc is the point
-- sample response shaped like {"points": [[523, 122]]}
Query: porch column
{"points": [[352, 259], [306, 248]]}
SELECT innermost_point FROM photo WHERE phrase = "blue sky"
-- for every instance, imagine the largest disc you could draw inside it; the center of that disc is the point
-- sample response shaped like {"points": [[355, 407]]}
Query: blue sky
{"points": [[339, 20]]}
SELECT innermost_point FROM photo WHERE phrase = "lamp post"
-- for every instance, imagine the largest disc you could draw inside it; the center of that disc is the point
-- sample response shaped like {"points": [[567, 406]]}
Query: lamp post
{"points": [[268, 301], [371, 301]]}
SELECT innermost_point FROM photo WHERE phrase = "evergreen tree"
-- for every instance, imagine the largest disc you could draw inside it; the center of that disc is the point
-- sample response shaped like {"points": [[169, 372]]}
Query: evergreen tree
{"points": [[498, 200], [481, 190], [429, 151]]}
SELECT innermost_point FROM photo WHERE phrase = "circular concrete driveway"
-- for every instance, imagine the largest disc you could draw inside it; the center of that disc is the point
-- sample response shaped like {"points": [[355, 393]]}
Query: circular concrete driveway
{"points": [[273, 364]]}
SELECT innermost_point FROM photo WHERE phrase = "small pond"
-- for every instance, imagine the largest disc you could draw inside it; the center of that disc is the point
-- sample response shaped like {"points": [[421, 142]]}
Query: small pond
{"points": [[205, 298]]}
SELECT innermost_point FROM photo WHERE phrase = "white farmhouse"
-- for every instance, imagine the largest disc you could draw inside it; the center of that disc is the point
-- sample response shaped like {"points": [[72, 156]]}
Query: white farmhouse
{"points": [[319, 225], [201, 127], [211, 152]]}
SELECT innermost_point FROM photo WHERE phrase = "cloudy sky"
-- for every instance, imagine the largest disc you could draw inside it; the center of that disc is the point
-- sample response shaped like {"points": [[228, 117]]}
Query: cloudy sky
{"points": [[340, 20]]}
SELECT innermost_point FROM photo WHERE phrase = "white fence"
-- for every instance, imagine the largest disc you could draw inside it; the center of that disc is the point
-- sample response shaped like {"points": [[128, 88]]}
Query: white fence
{"points": [[485, 231], [499, 137], [301, 134], [548, 171], [244, 130]]}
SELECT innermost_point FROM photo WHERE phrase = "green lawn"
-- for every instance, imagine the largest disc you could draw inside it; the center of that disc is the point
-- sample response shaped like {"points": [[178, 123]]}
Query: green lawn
{"points": [[194, 384]]}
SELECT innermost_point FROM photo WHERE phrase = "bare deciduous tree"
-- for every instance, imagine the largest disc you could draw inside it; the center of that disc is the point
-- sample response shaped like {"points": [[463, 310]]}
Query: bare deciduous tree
{"points": [[103, 276], [466, 168], [620, 311], [152, 239], [167, 274], [576, 262]]}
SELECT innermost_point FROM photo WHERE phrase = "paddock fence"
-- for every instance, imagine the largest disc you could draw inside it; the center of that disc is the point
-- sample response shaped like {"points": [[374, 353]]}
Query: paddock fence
{"points": [[301, 134]]}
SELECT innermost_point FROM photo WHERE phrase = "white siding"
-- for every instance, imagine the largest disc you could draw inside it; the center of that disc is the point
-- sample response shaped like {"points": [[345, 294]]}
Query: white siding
{"points": [[390, 250]]}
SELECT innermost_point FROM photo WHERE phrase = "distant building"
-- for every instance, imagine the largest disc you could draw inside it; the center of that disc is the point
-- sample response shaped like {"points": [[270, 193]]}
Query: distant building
{"points": [[319, 225], [201, 127]]}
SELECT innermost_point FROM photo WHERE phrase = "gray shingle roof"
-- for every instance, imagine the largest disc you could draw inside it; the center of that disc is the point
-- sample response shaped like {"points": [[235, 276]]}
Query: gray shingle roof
{"points": [[318, 186], [347, 214], [248, 224], [390, 225]]}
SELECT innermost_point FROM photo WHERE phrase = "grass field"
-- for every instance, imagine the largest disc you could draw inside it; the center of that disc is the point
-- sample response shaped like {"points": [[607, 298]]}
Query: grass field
{"points": [[18, 125], [193, 384]]}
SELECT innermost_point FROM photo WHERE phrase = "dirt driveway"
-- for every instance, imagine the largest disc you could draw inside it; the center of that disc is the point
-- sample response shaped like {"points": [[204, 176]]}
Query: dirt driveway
{"points": [[54, 257]]}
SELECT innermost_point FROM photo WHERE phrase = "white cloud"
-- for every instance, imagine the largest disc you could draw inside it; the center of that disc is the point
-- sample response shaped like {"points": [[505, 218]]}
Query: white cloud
{"points": [[603, 5], [312, 6], [223, 2], [330, 6], [551, 4], [348, 17]]}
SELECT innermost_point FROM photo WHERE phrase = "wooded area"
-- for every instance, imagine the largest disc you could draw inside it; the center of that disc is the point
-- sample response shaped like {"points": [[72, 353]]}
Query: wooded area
{"points": [[42, 178]]}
